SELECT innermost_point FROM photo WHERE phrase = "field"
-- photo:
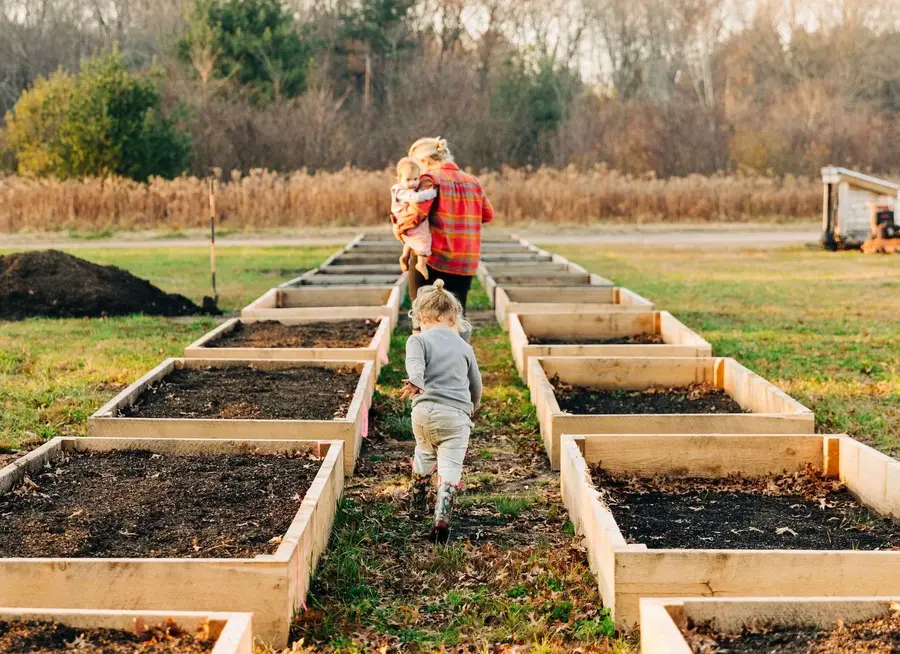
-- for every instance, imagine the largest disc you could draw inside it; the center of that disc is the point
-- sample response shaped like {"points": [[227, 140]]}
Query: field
{"points": [[821, 326], [265, 199]]}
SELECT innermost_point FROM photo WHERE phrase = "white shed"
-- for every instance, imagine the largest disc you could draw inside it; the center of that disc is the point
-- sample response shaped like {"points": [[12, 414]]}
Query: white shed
{"points": [[846, 208]]}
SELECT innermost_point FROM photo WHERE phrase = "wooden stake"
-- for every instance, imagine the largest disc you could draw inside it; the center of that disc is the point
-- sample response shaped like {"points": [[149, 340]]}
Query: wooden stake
{"points": [[212, 236]]}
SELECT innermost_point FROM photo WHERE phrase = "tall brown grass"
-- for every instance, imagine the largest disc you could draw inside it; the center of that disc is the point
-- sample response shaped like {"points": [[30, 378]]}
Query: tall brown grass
{"points": [[356, 197]]}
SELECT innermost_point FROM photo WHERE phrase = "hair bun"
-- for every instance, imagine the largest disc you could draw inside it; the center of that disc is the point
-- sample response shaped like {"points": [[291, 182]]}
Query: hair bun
{"points": [[441, 144], [438, 284]]}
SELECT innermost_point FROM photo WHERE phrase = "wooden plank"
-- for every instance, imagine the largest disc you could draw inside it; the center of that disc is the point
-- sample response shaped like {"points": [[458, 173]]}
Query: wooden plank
{"points": [[350, 430], [232, 632], [872, 476], [267, 586], [332, 302], [659, 633], [530, 300], [703, 455]]}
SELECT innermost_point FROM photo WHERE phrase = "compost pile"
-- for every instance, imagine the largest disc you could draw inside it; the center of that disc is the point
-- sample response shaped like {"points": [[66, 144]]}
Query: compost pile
{"points": [[53, 284]]}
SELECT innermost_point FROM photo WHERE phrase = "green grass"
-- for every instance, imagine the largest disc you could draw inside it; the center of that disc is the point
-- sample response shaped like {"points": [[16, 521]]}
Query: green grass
{"points": [[824, 327]]}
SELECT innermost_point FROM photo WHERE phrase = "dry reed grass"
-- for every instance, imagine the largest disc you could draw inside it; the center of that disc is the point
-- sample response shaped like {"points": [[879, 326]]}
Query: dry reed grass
{"points": [[355, 197]]}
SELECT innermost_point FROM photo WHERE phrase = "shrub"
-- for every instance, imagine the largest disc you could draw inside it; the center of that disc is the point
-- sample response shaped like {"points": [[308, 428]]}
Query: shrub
{"points": [[104, 121]]}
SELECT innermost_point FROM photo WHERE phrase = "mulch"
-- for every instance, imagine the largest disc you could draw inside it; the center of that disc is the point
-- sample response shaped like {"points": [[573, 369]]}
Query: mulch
{"points": [[53, 284], [31, 637], [877, 636], [335, 334], [695, 398], [803, 510], [634, 339], [245, 392], [136, 504]]}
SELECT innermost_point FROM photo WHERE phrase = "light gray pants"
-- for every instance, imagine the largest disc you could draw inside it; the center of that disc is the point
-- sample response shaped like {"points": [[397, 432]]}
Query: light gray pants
{"points": [[442, 436]]}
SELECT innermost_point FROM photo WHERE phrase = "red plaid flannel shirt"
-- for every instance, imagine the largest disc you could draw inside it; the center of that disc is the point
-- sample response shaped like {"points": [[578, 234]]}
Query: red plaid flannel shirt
{"points": [[456, 216]]}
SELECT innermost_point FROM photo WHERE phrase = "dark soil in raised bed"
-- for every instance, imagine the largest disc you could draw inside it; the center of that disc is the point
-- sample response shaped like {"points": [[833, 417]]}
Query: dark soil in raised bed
{"points": [[696, 398], [803, 510], [336, 333], [54, 284], [634, 339], [878, 636], [139, 504], [245, 392], [30, 637]]}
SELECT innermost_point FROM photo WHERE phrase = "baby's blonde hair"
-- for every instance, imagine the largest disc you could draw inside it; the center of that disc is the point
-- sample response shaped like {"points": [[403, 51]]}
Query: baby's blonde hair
{"points": [[435, 302], [432, 149], [409, 167]]}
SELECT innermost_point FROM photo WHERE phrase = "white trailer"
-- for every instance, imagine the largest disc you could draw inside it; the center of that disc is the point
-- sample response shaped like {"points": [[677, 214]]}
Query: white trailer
{"points": [[847, 202]]}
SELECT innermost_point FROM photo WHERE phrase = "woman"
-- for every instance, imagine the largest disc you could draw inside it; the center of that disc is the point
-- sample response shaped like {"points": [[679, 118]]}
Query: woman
{"points": [[456, 216]]}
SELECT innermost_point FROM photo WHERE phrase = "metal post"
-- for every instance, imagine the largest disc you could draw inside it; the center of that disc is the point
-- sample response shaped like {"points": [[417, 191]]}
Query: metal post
{"points": [[212, 236]]}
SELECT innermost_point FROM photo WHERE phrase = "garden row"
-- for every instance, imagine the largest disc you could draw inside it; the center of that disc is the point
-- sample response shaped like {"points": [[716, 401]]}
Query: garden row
{"points": [[693, 479], [211, 483]]}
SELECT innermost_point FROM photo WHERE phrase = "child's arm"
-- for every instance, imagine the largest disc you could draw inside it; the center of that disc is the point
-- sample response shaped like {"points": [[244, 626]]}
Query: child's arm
{"points": [[475, 388], [415, 362], [416, 197]]}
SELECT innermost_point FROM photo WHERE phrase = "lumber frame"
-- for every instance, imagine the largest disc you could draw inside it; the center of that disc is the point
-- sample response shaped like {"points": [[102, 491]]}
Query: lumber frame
{"points": [[327, 302], [662, 620], [627, 572], [679, 340], [773, 411], [376, 351], [232, 632], [106, 421], [272, 587], [597, 297]]}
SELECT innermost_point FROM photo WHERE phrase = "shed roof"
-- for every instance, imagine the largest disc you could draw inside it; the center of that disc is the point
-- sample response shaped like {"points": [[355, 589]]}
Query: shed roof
{"points": [[835, 175]]}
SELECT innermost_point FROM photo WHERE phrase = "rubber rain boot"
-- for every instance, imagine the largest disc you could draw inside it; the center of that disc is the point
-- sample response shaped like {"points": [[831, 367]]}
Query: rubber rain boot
{"points": [[443, 513], [418, 495]]}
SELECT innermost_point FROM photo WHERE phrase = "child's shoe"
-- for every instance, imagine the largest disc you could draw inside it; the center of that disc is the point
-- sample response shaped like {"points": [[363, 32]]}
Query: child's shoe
{"points": [[418, 495]]}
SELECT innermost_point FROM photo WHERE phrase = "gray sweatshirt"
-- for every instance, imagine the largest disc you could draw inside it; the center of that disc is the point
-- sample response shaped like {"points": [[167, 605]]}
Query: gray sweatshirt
{"points": [[443, 365]]}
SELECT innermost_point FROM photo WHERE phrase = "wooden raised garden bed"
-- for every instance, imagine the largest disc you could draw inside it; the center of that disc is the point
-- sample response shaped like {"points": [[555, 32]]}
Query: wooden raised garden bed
{"points": [[378, 269], [598, 297], [544, 281], [226, 633], [657, 395], [667, 625], [246, 399], [497, 257], [781, 532], [179, 573], [325, 303], [318, 278], [619, 334], [355, 339], [351, 258]]}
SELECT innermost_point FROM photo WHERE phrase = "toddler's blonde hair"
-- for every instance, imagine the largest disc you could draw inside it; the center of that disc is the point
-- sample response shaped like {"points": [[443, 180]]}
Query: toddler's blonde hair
{"points": [[408, 167], [435, 302], [431, 149]]}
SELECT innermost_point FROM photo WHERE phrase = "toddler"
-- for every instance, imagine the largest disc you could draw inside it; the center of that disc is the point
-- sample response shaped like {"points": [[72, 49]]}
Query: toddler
{"points": [[404, 196], [445, 384]]}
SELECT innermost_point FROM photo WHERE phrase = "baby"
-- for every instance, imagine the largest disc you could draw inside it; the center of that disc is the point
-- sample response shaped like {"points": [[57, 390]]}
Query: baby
{"points": [[404, 197]]}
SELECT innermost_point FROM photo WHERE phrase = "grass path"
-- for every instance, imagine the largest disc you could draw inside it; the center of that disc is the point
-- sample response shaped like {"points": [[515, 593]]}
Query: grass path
{"points": [[513, 579]]}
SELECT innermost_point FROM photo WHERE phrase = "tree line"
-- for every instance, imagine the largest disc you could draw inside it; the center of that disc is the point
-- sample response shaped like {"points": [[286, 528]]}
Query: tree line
{"points": [[142, 88]]}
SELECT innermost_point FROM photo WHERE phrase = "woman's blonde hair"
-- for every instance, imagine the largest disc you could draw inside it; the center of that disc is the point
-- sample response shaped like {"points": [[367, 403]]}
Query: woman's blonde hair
{"points": [[435, 302], [431, 149]]}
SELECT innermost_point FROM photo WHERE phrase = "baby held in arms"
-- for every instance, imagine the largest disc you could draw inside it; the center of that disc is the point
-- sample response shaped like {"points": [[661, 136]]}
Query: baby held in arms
{"points": [[410, 227]]}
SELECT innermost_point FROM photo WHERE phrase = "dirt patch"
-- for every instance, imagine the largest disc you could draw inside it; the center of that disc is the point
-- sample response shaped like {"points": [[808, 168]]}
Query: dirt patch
{"points": [[139, 504], [245, 392], [696, 398], [796, 511], [336, 333], [54, 284], [634, 339], [27, 637], [878, 636]]}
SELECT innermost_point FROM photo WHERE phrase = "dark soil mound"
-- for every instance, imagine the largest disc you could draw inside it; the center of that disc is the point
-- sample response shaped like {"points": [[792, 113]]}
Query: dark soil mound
{"points": [[54, 284]]}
